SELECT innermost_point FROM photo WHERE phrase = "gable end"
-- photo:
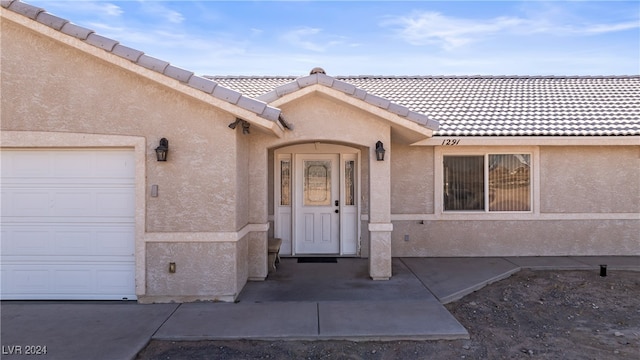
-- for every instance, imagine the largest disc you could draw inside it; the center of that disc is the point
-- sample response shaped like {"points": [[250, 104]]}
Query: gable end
{"points": [[138, 57]]}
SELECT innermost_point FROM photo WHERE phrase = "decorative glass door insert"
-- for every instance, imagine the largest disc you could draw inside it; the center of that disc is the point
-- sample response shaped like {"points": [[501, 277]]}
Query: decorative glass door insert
{"points": [[317, 182]]}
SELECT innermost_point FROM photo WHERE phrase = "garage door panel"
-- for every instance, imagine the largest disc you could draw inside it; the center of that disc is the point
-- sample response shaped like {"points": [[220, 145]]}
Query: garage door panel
{"points": [[117, 280], [115, 242], [96, 164], [111, 168], [25, 164], [61, 281], [68, 227], [25, 203], [66, 203], [68, 239], [24, 240], [73, 164], [116, 202]]}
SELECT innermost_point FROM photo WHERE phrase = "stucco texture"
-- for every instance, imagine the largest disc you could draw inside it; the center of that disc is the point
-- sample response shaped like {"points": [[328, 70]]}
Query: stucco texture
{"points": [[339, 123], [70, 91], [590, 179], [516, 238], [49, 86], [412, 180], [204, 271]]}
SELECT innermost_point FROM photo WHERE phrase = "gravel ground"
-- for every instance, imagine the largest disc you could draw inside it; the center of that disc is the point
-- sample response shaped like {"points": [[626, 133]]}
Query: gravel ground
{"points": [[532, 314]]}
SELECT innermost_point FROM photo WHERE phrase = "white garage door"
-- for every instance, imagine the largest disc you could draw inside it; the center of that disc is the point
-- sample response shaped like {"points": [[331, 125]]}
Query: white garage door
{"points": [[68, 224]]}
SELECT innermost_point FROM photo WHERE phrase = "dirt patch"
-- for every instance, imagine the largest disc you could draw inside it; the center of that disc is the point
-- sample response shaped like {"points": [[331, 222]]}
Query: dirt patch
{"points": [[532, 314]]}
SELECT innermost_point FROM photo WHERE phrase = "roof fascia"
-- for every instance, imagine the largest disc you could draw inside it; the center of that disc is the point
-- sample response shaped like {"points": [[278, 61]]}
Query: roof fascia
{"points": [[395, 120], [270, 126], [458, 141]]}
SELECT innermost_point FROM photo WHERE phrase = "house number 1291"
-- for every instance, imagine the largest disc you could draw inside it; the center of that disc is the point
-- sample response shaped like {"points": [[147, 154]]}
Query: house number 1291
{"points": [[451, 142]]}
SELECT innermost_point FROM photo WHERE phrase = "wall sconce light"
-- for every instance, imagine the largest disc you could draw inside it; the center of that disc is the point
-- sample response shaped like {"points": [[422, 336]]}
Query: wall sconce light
{"points": [[245, 125], [162, 150], [380, 151]]}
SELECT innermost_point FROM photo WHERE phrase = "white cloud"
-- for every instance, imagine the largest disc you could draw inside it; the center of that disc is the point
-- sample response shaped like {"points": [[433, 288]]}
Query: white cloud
{"points": [[433, 28], [156, 8], [111, 9], [81, 7], [607, 28], [313, 39], [304, 38]]}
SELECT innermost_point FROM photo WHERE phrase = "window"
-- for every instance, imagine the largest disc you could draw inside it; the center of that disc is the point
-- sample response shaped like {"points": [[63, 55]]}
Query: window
{"points": [[349, 182], [285, 182], [487, 182]]}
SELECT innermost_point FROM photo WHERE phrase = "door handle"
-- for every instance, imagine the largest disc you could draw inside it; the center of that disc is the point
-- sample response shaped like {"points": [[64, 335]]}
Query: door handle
{"points": [[337, 211]]}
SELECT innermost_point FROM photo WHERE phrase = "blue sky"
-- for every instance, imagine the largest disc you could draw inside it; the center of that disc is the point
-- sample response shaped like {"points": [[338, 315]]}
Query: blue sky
{"points": [[373, 37]]}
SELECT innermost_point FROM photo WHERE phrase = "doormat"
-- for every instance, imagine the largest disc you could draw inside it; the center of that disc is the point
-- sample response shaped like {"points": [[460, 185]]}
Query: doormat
{"points": [[303, 260]]}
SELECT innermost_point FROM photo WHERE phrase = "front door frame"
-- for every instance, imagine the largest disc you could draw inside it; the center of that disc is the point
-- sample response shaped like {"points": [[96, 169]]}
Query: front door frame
{"points": [[285, 215]]}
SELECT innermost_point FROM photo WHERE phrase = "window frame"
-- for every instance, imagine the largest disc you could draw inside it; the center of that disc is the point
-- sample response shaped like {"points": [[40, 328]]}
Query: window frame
{"points": [[442, 151]]}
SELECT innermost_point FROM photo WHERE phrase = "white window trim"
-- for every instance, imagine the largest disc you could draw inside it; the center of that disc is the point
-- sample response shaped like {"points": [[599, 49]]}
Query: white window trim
{"points": [[441, 151]]}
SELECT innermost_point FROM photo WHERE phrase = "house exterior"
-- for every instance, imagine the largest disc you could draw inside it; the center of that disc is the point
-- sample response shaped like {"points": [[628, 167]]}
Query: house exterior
{"points": [[473, 166]]}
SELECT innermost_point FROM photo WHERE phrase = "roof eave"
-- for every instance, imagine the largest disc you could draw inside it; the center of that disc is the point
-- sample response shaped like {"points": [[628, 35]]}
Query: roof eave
{"points": [[531, 141]]}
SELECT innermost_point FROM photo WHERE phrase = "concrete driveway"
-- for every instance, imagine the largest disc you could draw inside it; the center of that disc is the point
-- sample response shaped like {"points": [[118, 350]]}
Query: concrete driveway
{"points": [[299, 301]]}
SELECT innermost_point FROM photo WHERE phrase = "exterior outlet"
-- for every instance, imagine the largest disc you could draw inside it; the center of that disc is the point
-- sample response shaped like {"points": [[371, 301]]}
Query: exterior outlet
{"points": [[406, 237]]}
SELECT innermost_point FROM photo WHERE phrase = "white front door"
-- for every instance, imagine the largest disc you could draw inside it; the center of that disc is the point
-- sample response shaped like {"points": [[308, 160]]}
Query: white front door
{"points": [[317, 197]]}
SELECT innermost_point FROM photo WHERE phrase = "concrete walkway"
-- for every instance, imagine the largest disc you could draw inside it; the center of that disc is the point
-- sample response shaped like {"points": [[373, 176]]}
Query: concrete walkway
{"points": [[299, 301]]}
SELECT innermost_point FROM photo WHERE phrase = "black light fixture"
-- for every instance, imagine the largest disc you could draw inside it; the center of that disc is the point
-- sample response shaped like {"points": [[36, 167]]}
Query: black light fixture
{"points": [[380, 151], [245, 125], [162, 150]]}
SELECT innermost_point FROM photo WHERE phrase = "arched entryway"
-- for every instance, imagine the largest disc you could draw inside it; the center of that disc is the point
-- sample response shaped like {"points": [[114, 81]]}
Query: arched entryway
{"points": [[316, 196]]}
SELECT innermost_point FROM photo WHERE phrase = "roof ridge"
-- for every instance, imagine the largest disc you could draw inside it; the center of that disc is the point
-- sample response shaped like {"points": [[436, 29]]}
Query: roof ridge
{"points": [[138, 57], [293, 77], [351, 90]]}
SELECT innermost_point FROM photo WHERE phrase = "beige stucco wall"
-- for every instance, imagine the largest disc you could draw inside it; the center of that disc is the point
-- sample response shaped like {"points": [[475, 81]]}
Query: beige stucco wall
{"points": [[516, 238], [412, 179], [64, 90], [589, 204], [241, 179], [319, 117], [215, 278], [49, 86], [590, 179], [217, 183]]}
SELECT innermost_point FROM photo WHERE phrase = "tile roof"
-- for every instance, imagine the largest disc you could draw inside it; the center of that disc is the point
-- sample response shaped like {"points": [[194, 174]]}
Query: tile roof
{"points": [[498, 105], [293, 85], [462, 105], [208, 86]]}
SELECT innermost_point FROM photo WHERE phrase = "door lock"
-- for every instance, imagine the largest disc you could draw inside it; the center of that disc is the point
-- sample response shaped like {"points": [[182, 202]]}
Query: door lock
{"points": [[337, 203]]}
